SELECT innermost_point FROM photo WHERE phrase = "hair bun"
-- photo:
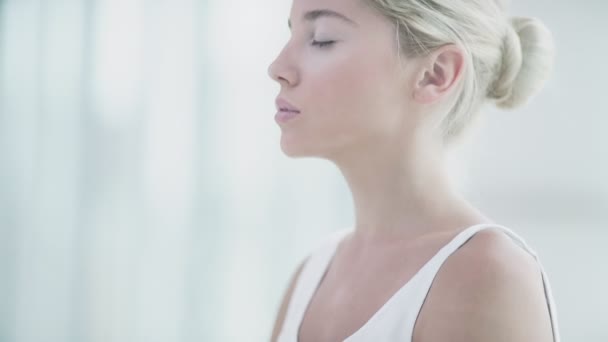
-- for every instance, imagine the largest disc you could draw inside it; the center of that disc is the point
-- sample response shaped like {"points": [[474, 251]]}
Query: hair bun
{"points": [[527, 62]]}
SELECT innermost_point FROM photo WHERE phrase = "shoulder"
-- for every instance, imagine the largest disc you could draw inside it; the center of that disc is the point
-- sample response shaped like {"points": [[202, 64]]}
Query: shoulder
{"points": [[490, 289]]}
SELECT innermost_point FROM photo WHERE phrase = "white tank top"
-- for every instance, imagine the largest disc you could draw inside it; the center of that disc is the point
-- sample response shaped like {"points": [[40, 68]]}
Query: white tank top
{"points": [[395, 320]]}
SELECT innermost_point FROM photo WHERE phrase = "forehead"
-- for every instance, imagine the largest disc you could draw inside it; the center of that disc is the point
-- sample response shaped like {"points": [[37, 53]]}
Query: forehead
{"points": [[353, 11]]}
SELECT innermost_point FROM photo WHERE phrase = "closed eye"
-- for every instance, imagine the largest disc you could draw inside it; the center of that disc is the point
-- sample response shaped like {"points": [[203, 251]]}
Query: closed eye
{"points": [[322, 44]]}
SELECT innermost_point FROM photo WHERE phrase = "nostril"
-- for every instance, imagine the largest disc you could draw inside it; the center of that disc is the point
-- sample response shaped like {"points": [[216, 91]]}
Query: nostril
{"points": [[281, 73]]}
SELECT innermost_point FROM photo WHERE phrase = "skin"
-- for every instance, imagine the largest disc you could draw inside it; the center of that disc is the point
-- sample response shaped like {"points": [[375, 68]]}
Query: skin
{"points": [[373, 114]]}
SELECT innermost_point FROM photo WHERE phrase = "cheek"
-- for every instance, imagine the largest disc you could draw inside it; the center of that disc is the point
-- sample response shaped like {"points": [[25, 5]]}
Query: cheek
{"points": [[356, 92]]}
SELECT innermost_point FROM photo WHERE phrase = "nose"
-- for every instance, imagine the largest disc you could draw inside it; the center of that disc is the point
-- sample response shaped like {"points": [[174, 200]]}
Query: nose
{"points": [[283, 70]]}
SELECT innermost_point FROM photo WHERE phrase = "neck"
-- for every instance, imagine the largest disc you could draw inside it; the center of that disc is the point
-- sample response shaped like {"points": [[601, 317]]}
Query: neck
{"points": [[403, 192]]}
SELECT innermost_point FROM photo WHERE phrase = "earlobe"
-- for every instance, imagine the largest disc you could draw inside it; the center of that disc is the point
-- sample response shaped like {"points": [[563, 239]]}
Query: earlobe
{"points": [[424, 94], [424, 87]]}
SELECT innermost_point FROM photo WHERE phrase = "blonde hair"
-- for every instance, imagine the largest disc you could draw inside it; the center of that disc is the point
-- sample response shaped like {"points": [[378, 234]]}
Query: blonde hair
{"points": [[507, 59]]}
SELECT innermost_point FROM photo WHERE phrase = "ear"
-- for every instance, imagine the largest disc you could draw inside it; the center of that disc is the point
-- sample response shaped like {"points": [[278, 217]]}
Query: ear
{"points": [[439, 74]]}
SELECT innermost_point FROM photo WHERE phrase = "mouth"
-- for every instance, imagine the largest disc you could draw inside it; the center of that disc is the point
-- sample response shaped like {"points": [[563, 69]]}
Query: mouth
{"points": [[283, 116], [285, 111], [284, 106]]}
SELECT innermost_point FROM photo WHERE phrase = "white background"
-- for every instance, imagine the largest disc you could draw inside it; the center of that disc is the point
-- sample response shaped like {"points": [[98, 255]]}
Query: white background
{"points": [[144, 196]]}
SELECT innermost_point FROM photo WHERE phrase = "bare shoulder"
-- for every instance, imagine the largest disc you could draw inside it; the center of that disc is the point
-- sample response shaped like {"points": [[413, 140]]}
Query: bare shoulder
{"points": [[490, 289], [278, 325]]}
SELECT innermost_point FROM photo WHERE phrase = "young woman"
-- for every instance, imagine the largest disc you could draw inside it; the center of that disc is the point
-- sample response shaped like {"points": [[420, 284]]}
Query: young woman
{"points": [[383, 88]]}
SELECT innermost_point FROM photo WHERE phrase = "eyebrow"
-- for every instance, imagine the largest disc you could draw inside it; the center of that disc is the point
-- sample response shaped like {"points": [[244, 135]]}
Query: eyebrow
{"points": [[316, 14]]}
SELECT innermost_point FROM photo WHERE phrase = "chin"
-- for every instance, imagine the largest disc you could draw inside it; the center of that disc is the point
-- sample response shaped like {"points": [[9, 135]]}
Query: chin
{"points": [[297, 148], [294, 150]]}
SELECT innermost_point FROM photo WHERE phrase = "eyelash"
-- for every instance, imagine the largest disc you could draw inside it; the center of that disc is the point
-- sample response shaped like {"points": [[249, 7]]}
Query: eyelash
{"points": [[323, 44]]}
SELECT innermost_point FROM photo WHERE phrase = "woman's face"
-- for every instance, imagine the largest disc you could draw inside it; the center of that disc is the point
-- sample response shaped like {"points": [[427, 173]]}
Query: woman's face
{"points": [[341, 70]]}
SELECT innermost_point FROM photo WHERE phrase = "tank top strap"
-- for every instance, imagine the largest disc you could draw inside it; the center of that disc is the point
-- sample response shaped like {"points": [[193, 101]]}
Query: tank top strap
{"points": [[309, 279], [404, 307], [428, 272]]}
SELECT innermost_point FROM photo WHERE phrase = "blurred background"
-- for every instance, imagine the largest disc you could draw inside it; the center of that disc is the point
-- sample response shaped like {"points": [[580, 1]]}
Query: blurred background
{"points": [[144, 195]]}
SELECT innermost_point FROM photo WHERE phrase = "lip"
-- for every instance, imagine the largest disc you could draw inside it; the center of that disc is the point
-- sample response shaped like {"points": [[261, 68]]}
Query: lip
{"points": [[283, 116], [283, 105]]}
